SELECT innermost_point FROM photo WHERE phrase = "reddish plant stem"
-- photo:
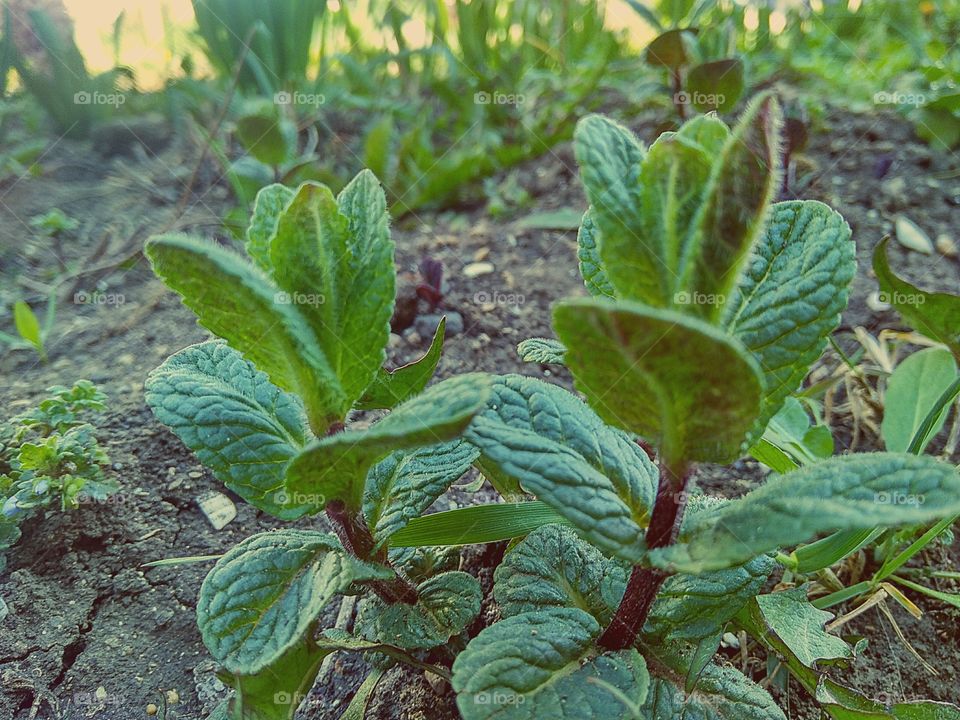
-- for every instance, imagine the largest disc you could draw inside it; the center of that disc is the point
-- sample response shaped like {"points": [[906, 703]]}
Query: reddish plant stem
{"points": [[678, 100], [357, 540], [644, 582]]}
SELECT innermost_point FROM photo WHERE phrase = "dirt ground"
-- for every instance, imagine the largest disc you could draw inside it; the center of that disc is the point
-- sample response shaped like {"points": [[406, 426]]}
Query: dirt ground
{"points": [[92, 634]]}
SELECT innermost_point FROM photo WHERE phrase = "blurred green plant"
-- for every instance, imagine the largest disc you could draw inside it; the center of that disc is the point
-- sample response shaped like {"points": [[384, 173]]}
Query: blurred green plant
{"points": [[30, 332]]}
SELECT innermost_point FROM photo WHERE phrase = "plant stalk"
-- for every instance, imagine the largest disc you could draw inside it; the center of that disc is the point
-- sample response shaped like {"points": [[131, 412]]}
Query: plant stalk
{"points": [[645, 582], [357, 540]]}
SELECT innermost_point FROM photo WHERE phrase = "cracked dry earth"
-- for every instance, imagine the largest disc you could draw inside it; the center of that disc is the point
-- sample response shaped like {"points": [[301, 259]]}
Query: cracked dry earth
{"points": [[89, 633]]}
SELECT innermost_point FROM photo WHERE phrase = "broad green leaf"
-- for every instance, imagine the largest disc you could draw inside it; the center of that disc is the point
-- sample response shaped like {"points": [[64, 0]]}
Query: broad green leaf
{"points": [[687, 387], [912, 391], [721, 693], [843, 493], [263, 596], [545, 439], [267, 208], [336, 466], [27, 325], [235, 301], [476, 524], [588, 255], [553, 567], [936, 315], [671, 49], [541, 350], [265, 138], [447, 604], [716, 85], [275, 692], [544, 665], [391, 387], [241, 426], [743, 182], [790, 296], [420, 563], [693, 607], [609, 157], [404, 484], [333, 258], [801, 626]]}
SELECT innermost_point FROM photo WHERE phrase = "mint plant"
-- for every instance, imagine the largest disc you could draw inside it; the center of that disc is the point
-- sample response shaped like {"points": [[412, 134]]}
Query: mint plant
{"points": [[709, 304], [49, 456]]}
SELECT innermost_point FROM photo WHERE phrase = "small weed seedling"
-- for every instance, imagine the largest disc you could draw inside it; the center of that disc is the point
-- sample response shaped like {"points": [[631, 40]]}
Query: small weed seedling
{"points": [[709, 305], [30, 333], [50, 456]]}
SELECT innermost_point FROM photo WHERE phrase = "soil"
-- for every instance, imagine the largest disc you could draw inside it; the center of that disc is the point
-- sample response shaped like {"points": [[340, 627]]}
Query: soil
{"points": [[90, 633]]}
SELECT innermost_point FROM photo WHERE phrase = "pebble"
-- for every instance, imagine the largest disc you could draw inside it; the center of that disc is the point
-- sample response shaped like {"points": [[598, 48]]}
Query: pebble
{"points": [[481, 254], [217, 508], [895, 187], [395, 341], [477, 269], [946, 245], [195, 474], [151, 709], [101, 693], [730, 640], [173, 697], [912, 237]]}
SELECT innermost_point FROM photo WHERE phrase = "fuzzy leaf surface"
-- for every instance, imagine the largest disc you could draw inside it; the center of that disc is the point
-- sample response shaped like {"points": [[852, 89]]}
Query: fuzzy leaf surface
{"points": [[392, 387], [267, 208], [262, 597], [790, 297], [689, 388], [554, 446], [240, 425], [843, 493], [544, 665]]}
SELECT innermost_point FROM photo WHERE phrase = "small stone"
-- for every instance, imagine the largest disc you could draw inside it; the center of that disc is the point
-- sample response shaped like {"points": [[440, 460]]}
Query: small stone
{"points": [[173, 697], [126, 359], [217, 508], [412, 337], [946, 245], [395, 341], [476, 269], [912, 237], [151, 709], [895, 187], [101, 693], [730, 640], [195, 474], [481, 254]]}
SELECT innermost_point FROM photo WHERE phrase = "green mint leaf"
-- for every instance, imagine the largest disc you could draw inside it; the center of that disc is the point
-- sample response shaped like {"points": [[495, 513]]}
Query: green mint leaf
{"points": [[843, 493], [800, 626], [235, 301], [544, 665], [686, 386], [542, 350], [790, 440], [912, 391], [447, 604], [263, 596], [609, 157], [276, 691], [716, 85], [241, 426], [693, 607], [721, 693], [743, 182], [588, 255], [554, 567], [404, 484], [336, 466], [267, 209], [790, 296], [333, 258], [391, 387], [936, 315], [27, 325], [546, 440]]}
